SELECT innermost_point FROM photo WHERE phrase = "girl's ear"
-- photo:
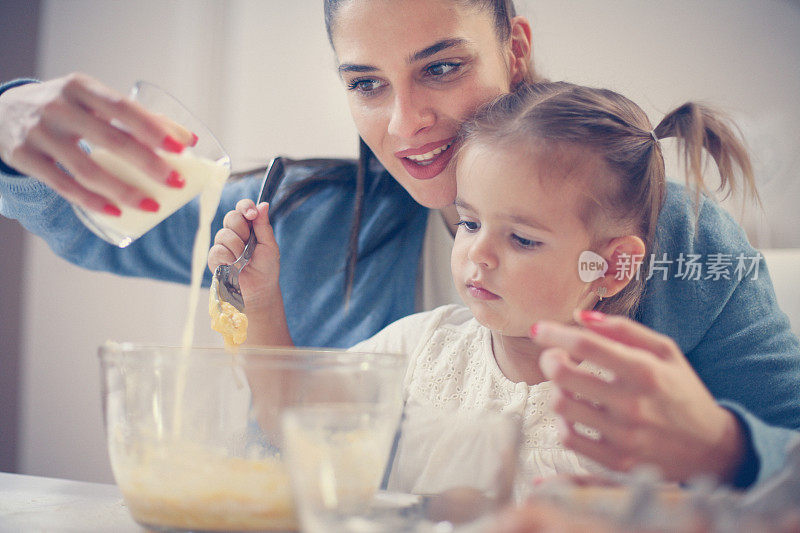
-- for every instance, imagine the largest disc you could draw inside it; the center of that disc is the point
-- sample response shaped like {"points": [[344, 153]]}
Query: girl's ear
{"points": [[624, 256], [521, 47]]}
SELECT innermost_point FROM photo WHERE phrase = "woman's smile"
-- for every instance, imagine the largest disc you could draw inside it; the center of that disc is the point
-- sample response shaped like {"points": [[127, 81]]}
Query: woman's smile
{"points": [[429, 160]]}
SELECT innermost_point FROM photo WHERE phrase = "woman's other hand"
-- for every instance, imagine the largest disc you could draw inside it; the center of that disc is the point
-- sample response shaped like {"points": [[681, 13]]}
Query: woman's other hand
{"points": [[259, 279], [41, 124], [654, 409]]}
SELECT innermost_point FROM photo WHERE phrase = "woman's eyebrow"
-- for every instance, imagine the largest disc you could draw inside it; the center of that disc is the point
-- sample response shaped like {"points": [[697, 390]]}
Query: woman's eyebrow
{"points": [[425, 53], [435, 48], [350, 67]]}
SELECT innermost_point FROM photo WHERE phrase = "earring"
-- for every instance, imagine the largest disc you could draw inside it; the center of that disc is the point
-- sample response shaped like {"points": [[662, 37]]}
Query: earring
{"points": [[601, 292]]}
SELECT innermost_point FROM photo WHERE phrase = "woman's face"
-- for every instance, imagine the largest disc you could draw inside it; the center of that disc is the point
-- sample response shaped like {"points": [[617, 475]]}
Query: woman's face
{"points": [[414, 70]]}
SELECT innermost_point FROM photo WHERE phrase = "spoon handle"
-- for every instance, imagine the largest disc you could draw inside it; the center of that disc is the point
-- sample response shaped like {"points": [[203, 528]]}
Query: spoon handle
{"points": [[272, 179], [243, 259]]}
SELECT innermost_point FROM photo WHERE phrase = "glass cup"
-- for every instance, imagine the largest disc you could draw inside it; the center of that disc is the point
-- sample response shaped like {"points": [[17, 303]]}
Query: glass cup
{"points": [[195, 438], [337, 456], [442, 471], [198, 165], [462, 463]]}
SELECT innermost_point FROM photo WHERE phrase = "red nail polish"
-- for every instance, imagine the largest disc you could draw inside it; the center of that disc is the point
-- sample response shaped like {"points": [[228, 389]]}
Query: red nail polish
{"points": [[534, 330], [175, 180], [112, 210], [148, 204], [171, 145], [193, 142], [592, 316]]}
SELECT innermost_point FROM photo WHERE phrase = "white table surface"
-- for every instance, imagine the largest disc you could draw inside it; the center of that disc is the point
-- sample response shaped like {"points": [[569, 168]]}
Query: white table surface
{"points": [[32, 503]]}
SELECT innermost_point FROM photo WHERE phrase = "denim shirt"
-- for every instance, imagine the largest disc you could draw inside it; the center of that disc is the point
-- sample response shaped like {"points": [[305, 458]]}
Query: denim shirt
{"points": [[729, 327]]}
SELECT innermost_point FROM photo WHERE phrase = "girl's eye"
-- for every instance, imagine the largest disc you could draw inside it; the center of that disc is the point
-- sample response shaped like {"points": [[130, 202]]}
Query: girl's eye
{"points": [[468, 225], [442, 69], [528, 244], [365, 86]]}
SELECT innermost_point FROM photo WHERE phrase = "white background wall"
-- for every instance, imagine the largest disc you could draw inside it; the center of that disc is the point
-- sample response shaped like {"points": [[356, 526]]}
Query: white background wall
{"points": [[262, 75]]}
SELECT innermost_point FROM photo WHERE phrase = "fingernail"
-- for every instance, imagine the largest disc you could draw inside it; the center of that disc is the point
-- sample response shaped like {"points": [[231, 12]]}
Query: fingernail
{"points": [[592, 316], [112, 210], [172, 145], [148, 204], [175, 180], [534, 330], [252, 213], [193, 142]]}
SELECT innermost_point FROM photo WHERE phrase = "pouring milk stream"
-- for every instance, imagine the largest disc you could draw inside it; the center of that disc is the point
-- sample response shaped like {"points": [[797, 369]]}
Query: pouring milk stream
{"points": [[203, 176]]}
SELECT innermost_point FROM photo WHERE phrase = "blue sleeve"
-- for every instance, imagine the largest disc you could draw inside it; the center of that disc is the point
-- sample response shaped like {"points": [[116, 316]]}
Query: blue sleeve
{"points": [[728, 325], [163, 253], [766, 447]]}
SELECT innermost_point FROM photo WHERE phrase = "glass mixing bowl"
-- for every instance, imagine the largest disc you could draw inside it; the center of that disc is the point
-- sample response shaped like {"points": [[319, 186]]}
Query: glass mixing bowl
{"points": [[195, 438]]}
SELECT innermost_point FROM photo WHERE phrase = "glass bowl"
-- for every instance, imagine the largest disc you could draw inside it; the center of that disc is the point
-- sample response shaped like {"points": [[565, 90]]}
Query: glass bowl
{"points": [[195, 437]]}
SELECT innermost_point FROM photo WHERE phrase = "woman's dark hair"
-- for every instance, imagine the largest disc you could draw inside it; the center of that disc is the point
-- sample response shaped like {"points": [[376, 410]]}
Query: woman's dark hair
{"points": [[502, 10], [552, 119]]}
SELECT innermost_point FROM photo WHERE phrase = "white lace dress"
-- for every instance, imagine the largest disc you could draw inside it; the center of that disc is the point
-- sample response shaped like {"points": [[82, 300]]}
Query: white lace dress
{"points": [[452, 367]]}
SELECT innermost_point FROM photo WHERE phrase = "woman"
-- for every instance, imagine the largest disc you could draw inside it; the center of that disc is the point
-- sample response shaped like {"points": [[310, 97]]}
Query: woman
{"points": [[414, 70]]}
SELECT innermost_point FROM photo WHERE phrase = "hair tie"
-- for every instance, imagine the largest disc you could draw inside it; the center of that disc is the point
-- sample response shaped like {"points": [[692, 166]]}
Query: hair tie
{"points": [[653, 135]]}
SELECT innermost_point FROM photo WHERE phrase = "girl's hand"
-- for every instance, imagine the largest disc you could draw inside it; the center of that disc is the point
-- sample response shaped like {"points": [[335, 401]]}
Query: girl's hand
{"points": [[259, 279], [653, 410], [41, 124]]}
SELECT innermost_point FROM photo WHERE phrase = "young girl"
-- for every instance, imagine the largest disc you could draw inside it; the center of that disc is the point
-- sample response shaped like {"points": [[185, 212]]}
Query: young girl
{"points": [[543, 175]]}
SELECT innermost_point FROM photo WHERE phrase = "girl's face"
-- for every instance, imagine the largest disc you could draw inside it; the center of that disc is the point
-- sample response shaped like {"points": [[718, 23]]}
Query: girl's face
{"points": [[515, 257], [414, 70]]}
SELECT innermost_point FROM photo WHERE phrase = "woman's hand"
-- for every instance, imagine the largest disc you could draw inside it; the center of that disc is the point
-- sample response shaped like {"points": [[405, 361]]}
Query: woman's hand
{"points": [[259, 279], [653, 410], [41, 124]]}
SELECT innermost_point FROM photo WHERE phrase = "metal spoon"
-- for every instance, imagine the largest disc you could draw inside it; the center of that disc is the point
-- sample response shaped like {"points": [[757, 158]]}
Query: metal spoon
{"points": [[225, 282]]}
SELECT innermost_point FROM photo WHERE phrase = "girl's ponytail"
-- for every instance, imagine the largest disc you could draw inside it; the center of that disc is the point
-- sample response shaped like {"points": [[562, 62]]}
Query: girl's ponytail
{"points": [[696, 126]]}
